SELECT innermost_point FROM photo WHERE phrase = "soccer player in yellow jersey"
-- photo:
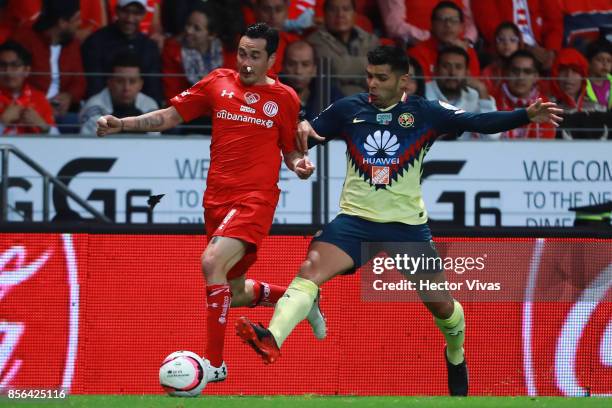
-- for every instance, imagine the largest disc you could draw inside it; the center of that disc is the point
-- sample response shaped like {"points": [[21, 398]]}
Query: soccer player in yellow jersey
{"points": [[387, 136]]}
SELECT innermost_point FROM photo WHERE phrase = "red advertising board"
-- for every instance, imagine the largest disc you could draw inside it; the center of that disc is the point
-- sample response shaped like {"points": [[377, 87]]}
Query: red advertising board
{"points": [[97, 314]]}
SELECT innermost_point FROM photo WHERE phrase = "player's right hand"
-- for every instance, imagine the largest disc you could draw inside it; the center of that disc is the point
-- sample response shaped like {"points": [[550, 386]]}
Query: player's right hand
{"points": [[304, 131], [107, 125]]}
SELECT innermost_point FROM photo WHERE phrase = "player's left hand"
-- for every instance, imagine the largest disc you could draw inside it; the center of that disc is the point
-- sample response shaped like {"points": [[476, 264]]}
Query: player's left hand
{"points": [[544, 112], [304, 131], [304, 168]]}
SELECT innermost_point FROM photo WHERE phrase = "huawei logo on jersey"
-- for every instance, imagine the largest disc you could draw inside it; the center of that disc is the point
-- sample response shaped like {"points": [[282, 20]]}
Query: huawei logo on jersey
{"points": [[381, 143]]}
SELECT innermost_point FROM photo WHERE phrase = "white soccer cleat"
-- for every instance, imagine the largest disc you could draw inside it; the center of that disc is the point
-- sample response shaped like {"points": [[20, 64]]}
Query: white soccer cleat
{"points": [[215, 374], [317, 319]]}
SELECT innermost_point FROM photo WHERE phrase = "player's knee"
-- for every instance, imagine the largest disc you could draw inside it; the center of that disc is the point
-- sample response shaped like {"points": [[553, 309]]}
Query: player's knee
{"points": [[211, 266], [441, 310], [309, 268]]}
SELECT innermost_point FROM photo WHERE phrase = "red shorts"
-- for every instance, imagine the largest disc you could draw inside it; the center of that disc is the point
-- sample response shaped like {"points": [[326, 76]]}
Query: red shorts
{"points": [[248, 219]]}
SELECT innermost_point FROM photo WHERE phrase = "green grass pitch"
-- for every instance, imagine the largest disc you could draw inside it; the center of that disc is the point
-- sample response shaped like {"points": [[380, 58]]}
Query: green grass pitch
{"points": [[306, 401]]}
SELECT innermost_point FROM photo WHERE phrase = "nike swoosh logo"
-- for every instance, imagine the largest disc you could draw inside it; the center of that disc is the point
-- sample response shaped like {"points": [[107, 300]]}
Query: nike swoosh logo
{"points": [[355, 120]]}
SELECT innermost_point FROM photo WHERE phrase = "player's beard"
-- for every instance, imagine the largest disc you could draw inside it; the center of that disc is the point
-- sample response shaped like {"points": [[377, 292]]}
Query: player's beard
{"points": [[66, 37], [248, 79]]}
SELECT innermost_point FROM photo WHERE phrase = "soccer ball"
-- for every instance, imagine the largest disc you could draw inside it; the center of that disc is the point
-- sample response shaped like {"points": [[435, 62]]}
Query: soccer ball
{"points": [[183, 374]]}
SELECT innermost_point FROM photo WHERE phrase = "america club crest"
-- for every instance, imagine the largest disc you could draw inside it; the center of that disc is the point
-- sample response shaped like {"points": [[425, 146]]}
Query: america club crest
{"points": [[406, 120]]}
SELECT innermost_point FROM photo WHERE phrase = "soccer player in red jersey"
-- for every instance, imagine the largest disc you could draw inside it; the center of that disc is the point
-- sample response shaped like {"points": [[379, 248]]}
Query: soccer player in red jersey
{"points": [[254, 118]]}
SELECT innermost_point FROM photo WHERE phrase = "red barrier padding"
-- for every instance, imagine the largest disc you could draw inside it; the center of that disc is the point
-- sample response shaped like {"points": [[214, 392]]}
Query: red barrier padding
{"points": [[98, 313]]}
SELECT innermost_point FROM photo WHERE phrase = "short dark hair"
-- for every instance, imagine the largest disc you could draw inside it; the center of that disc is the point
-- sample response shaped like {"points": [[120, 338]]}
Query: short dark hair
{"points": [[208, 10], [395, 57], [597, 47], [509, 25], [264, 31], [446, 4], [456, 50], [522, 53], [53, 11], [22, 53], [353, 3], [125, 58]]}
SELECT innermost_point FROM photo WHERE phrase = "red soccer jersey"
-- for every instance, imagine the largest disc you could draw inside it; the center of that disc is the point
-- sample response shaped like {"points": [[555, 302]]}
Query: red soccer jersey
{"points": [[251, 124], [28, 98]]}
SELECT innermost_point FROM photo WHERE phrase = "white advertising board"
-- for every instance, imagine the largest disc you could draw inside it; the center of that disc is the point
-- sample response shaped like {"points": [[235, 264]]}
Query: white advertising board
{"points": [[116, 174], [508, 183]]}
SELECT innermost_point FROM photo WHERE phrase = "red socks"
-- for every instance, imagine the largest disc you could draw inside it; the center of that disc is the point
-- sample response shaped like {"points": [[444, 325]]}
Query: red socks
{"points": [[266, 294], [218, 300]]}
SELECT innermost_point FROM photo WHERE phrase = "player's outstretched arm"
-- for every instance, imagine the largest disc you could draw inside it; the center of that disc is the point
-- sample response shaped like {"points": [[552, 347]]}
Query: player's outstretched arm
{"points": [[299, 164], [544, 112], [156, 121], [305, 131]]}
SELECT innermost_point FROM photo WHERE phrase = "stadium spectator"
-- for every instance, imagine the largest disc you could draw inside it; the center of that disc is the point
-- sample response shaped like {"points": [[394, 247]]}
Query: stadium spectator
{"points": [[363, 10], [151, 21], [274, 14], [121, 97], [194, 54], [583, 118], [583, 21], [23, 13], [520, 90], [345, 44], [508, 39], [540, 23], [415, 85], [454, 86], [447, 25], [300, 69], [599, 85], [57, 59], [410, 20], [100, 48], [23, 108], [229, 22]]}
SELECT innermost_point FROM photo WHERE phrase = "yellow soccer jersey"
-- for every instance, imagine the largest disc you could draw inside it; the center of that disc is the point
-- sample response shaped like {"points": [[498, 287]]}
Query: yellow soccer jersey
{"points": [[386, 148]]}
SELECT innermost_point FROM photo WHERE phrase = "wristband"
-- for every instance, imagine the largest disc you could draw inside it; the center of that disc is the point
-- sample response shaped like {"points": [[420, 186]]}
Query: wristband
{"points": [[301, 115]]}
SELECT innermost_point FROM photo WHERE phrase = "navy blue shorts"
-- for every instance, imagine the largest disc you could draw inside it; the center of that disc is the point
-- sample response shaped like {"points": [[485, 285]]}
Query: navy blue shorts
{"points": [[348, 232]]}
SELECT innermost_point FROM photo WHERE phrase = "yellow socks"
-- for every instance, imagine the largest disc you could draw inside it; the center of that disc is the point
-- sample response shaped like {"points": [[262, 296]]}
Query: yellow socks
{"points": [[292, 308], [453, 329]]}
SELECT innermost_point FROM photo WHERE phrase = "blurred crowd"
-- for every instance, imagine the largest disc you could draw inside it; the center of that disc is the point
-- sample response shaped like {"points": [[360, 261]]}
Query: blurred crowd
{"points": [[64, 63]]}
